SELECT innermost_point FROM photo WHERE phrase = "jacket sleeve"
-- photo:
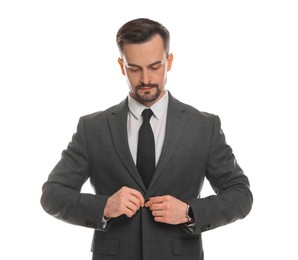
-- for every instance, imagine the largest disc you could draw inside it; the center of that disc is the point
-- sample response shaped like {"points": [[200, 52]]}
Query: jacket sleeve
{"points": [[61, 196], [233, 198]]}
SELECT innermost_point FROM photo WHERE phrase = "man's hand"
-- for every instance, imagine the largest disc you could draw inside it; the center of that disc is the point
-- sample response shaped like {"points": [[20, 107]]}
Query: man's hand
{"points": [[125, 201], [167, 209]]}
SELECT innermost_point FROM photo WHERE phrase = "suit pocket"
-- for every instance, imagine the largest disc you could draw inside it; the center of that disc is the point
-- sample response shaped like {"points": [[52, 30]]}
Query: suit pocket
{"points": [[187, 246], [105, 247]]}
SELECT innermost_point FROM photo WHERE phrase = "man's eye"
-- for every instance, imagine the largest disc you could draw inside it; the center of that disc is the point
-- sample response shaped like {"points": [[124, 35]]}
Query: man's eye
{"points": [[155, 67]]}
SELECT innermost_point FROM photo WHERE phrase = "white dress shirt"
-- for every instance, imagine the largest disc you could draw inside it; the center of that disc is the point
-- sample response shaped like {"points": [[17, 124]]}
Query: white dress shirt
{"points": [[157, 122]]}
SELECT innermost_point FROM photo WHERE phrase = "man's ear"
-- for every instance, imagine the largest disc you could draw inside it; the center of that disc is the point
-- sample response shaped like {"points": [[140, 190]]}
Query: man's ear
{"points": [[120, 62], [170, 60]]}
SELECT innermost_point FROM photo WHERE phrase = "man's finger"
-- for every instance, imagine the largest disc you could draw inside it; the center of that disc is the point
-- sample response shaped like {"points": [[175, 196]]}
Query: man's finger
{"points": [[137, 195]]}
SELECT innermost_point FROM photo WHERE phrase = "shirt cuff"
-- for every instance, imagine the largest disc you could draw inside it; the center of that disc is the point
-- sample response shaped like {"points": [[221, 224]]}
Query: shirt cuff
{"points": [[104, 222]]}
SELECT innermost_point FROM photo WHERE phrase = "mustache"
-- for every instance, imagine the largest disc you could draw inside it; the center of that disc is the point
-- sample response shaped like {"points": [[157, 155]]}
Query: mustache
{"points": [[146, 85]]}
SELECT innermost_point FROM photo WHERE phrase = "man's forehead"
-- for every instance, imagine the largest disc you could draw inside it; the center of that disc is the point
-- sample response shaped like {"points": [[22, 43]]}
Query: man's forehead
{"points": [[144, 58]]}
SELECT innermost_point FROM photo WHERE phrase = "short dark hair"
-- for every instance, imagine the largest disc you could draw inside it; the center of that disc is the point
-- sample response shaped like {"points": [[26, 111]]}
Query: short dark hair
{"points": [[142, 30]]}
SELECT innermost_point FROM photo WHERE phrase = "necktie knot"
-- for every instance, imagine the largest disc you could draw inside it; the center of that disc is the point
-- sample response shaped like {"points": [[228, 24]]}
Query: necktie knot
{"points": [[147, 113]]}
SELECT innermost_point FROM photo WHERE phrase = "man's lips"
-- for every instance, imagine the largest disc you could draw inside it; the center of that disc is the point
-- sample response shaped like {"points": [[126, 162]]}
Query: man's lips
{"points": [[145, 88]]}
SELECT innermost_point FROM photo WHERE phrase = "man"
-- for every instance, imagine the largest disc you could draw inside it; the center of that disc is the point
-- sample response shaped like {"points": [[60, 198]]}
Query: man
{"points": [[138, 213]]}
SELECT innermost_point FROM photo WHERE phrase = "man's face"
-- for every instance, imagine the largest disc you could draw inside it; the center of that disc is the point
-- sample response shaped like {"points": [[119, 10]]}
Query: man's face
{"points": [[145, 65]]}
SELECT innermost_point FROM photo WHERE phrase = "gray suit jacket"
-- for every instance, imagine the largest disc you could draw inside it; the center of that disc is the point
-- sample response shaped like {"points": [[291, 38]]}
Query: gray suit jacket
{"points": [[194, 148]]}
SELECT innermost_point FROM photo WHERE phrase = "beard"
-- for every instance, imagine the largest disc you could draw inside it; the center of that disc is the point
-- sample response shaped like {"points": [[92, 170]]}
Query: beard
{"points": [[147, 96]]}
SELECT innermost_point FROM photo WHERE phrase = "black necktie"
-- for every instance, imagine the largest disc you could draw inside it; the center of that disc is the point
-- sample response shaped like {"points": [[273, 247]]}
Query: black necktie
{"points": [[146, 149]]}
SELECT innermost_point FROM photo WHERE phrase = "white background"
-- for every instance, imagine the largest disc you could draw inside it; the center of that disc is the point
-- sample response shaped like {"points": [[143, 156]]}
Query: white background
{"points": [[237, 59]]}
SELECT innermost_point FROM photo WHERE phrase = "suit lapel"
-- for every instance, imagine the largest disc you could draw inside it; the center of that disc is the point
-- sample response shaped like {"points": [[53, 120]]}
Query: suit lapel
{"points": [[176, 119], [118, 127]]}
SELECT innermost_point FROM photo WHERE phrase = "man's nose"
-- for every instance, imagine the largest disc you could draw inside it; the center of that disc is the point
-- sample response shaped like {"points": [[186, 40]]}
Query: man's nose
{"points": [[145, 78]]}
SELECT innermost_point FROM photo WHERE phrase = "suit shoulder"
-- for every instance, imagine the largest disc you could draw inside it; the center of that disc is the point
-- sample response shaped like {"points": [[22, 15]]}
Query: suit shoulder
{"points": [[200, 113], [99, 115], [193, 111]]}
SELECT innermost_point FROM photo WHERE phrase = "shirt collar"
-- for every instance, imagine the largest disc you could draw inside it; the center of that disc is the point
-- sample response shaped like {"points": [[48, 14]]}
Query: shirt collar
{"points": [[158, 108]]}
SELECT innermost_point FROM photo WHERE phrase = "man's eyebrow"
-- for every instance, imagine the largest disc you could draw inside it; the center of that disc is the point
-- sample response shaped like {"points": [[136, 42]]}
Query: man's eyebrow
{"points": [[152, 64], [132, 65], [155, 63]]}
